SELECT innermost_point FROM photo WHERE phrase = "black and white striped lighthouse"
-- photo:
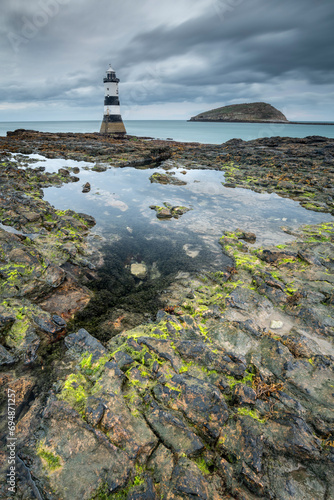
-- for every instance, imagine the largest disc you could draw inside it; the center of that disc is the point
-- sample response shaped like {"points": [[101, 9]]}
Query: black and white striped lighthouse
{"points": [[112, 122]]}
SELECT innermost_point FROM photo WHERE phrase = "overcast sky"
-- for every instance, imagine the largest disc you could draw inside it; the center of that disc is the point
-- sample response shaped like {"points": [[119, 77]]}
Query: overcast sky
{"points": [[175, 58]]}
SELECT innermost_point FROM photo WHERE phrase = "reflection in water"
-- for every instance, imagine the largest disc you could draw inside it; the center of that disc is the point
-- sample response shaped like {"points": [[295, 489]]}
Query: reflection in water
{"points": [[132, 238], [121, 197]]}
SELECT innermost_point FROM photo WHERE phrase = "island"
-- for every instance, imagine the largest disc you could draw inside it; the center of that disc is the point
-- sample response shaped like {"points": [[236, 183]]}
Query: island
{"points": [[260, 112]]}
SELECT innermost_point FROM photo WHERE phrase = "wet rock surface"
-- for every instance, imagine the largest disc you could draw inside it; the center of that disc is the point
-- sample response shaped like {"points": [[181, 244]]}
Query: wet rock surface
{"points": [[167, 179], [228, 393], [167, 211], [301, 169]]}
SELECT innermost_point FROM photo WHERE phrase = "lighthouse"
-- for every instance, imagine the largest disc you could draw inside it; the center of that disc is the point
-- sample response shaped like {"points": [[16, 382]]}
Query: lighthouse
{"points": [[112, 122]]}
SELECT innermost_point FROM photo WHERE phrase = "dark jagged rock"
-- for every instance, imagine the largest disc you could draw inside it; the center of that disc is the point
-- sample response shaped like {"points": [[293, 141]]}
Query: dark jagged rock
{"points": [[6, 321], [173, 432], [82, 342], [5, 357], [123, 360], [188, 482]]}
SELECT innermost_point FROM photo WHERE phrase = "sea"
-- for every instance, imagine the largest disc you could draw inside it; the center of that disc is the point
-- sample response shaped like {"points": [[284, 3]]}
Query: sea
{"points": [[182, 130]]}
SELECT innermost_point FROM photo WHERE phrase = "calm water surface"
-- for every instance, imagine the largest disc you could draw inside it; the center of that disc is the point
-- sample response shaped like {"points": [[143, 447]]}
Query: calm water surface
{"points": [[181, 130], [120, 200]]}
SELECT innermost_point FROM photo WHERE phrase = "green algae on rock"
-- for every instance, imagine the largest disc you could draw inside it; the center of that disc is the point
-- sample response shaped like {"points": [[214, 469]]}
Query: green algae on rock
{"points": [[228, 402], [168, 211]]}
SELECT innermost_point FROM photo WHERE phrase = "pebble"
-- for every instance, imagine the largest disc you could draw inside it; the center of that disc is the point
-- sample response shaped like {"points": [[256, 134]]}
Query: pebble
{"points": [[276, 325]]}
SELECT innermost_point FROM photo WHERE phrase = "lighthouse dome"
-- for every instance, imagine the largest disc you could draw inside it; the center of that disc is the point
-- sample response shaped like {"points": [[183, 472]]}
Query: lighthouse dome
{"points": [[110, 70]]}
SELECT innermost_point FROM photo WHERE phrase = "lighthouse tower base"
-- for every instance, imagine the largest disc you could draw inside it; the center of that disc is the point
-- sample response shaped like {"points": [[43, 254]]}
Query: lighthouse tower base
{"points": [[108, 127]]}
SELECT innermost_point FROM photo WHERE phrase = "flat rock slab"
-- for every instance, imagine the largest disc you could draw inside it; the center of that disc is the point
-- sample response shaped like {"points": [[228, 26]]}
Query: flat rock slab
{"points": [[83, 459], [128, 432]]}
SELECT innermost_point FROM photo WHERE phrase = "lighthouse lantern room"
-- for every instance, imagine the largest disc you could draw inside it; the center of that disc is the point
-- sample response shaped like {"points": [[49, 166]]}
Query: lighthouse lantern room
{"points": [[112, 122]]}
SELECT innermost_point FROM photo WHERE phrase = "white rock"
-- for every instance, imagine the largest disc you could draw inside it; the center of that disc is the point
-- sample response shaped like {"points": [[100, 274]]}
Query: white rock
{"points": [[275, 325], [139, 270]]}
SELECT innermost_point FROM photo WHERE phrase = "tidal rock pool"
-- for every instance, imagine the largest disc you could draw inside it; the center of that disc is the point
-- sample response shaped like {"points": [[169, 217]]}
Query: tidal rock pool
{"points": [[145, 249]]}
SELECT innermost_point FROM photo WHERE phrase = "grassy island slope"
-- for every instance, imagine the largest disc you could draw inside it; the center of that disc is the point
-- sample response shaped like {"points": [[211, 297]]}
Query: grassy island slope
{"points": [[248, 112]]}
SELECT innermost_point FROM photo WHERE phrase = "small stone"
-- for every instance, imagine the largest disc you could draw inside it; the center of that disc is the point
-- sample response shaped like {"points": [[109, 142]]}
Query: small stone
{"points": [[47, 325], [88, 219], [22, 387], [276, 325], [63, 172], [226, 471], [94, 410], [252, 481], [58, 320], [166, 179], [178, 211], [243, 394], [86, 188], [164, 213], [30, 216], [99, 167], [173, 432], [246, 236]]}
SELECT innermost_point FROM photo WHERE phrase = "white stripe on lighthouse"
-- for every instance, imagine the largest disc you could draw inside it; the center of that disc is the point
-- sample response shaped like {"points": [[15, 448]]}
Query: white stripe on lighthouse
{"points": [[112, 110], [110, 88]]}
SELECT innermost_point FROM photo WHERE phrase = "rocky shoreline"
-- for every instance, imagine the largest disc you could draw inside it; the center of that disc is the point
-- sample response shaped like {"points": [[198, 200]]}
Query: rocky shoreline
{"points": [[227, 394]]}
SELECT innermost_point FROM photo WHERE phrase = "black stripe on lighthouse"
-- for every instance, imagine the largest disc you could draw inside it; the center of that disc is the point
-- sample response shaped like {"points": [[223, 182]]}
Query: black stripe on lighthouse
{"points": [[112, 118], [111, 100]]}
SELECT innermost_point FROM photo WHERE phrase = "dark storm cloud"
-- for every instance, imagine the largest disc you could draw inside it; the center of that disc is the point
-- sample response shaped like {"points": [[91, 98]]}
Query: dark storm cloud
{"points": [[198, 52], [259, 37]]}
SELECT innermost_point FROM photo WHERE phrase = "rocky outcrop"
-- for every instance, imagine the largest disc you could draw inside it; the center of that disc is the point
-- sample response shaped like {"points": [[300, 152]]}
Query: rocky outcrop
{"points": [[248, 112], [301, 169], [168, 211], [206, 402]]}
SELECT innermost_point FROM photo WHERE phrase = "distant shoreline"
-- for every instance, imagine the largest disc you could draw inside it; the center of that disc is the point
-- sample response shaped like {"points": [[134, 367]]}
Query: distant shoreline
{"points": [[258, 121]]}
